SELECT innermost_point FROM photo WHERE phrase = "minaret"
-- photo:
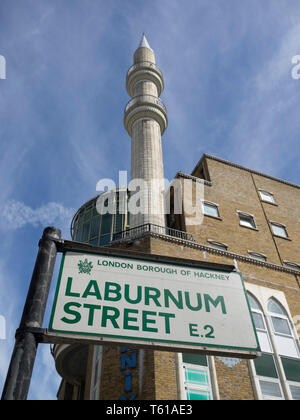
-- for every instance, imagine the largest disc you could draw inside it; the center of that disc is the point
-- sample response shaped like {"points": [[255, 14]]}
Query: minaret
{"points": [[145, 120]]}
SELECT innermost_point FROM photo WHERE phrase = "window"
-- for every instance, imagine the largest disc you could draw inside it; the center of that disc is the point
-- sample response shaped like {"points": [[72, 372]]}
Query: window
{"points": [[265, 366], [260, 325], [95, 226], [217, 245], [292, 265], [279, 230], [246, 220], [88, 212], [267, 376], [196, 377], [210, 209], [292, 373], [275, 331], [85, 232], [78, 234], [92, 225], [257, 256], [266, 196], [271, 389], [295, 391], [284, 338]]}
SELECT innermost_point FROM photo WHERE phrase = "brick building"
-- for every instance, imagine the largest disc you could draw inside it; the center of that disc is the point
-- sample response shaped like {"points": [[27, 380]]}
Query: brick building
{"points": [[248, 220]]}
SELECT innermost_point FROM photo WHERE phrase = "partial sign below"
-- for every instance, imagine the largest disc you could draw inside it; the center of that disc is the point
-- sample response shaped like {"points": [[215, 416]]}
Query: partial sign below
{"points": [[141, 302]]}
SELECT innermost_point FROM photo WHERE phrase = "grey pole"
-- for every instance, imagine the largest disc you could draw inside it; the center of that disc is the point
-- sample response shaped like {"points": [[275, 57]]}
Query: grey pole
{"points": [[22, 361]]}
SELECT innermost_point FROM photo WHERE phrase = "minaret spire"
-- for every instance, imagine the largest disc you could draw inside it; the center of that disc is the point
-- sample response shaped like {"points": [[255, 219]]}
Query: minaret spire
{"points": [[145, 120], [144, 43]]}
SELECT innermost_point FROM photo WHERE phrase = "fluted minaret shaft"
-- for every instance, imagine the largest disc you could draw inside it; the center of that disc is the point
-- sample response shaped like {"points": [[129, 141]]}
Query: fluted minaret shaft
{"points": [[145, 120]]}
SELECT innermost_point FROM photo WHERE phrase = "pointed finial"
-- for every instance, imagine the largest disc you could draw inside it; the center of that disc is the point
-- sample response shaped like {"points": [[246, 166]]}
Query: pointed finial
{"points": [[144, 43]]}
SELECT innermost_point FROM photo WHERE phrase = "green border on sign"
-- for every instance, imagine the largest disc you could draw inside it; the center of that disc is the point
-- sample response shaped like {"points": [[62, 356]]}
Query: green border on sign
{"points": [[257, 349]]}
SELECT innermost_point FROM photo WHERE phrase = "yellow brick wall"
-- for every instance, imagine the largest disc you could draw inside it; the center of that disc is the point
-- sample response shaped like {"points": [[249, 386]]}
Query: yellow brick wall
{"points": [[165, 376], [233, 189], [234, 382], [286, 211]]}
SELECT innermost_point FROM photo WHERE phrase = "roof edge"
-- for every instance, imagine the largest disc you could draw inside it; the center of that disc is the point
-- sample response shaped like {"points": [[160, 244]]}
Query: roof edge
{"points": [[235, 165]]}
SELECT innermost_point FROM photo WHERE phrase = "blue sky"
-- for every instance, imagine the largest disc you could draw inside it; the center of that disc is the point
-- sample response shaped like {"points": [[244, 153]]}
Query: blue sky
{"points": [[228, 90]]}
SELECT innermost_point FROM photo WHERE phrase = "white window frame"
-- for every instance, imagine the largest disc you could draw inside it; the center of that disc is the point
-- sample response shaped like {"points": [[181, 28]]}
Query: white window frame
{"points": [[263, 330], [268, 194], [212, 377], [292, 265], [263, 295], [246, 216], [292, 383], [196, 387], [257, 256], [214, 205], [274, 380], [218, 245], [280, 225], [279, 334]]}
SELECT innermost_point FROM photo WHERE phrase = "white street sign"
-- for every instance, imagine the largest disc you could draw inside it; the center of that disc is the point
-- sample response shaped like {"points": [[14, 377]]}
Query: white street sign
{"points": [[149, 302]]}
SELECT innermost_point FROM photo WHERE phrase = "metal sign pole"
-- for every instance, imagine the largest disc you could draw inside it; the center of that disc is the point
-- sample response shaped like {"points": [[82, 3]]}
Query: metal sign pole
{"points": [[22, 361]]}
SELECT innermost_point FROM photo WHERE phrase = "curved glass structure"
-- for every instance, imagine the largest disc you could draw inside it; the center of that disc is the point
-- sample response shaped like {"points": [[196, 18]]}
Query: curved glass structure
{"points": [[100, 218]]}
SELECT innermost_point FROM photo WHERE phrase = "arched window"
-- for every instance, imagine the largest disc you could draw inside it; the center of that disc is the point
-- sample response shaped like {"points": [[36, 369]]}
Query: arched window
{"points": [[277, 371], [260, 325], [266, 374], [285, 340]]}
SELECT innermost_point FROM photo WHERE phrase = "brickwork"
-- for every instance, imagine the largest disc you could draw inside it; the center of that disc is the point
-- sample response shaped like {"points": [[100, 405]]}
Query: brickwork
{"points": [[113, 382], [146, 164], [165, 376], [234, 382], [232, 196]]}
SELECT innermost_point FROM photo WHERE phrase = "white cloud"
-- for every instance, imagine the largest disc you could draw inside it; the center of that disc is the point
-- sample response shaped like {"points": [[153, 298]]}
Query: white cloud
{"points": [[16, 214]]}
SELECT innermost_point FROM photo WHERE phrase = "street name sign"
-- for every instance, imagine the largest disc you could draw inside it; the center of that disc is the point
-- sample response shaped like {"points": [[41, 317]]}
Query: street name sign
{"points": [[114, 299]]}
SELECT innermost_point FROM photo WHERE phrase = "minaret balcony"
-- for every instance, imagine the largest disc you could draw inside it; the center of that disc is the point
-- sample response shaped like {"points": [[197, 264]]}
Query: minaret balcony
{"points": [[144, 70], [145, 99], [145, 106], [144, 65]]}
